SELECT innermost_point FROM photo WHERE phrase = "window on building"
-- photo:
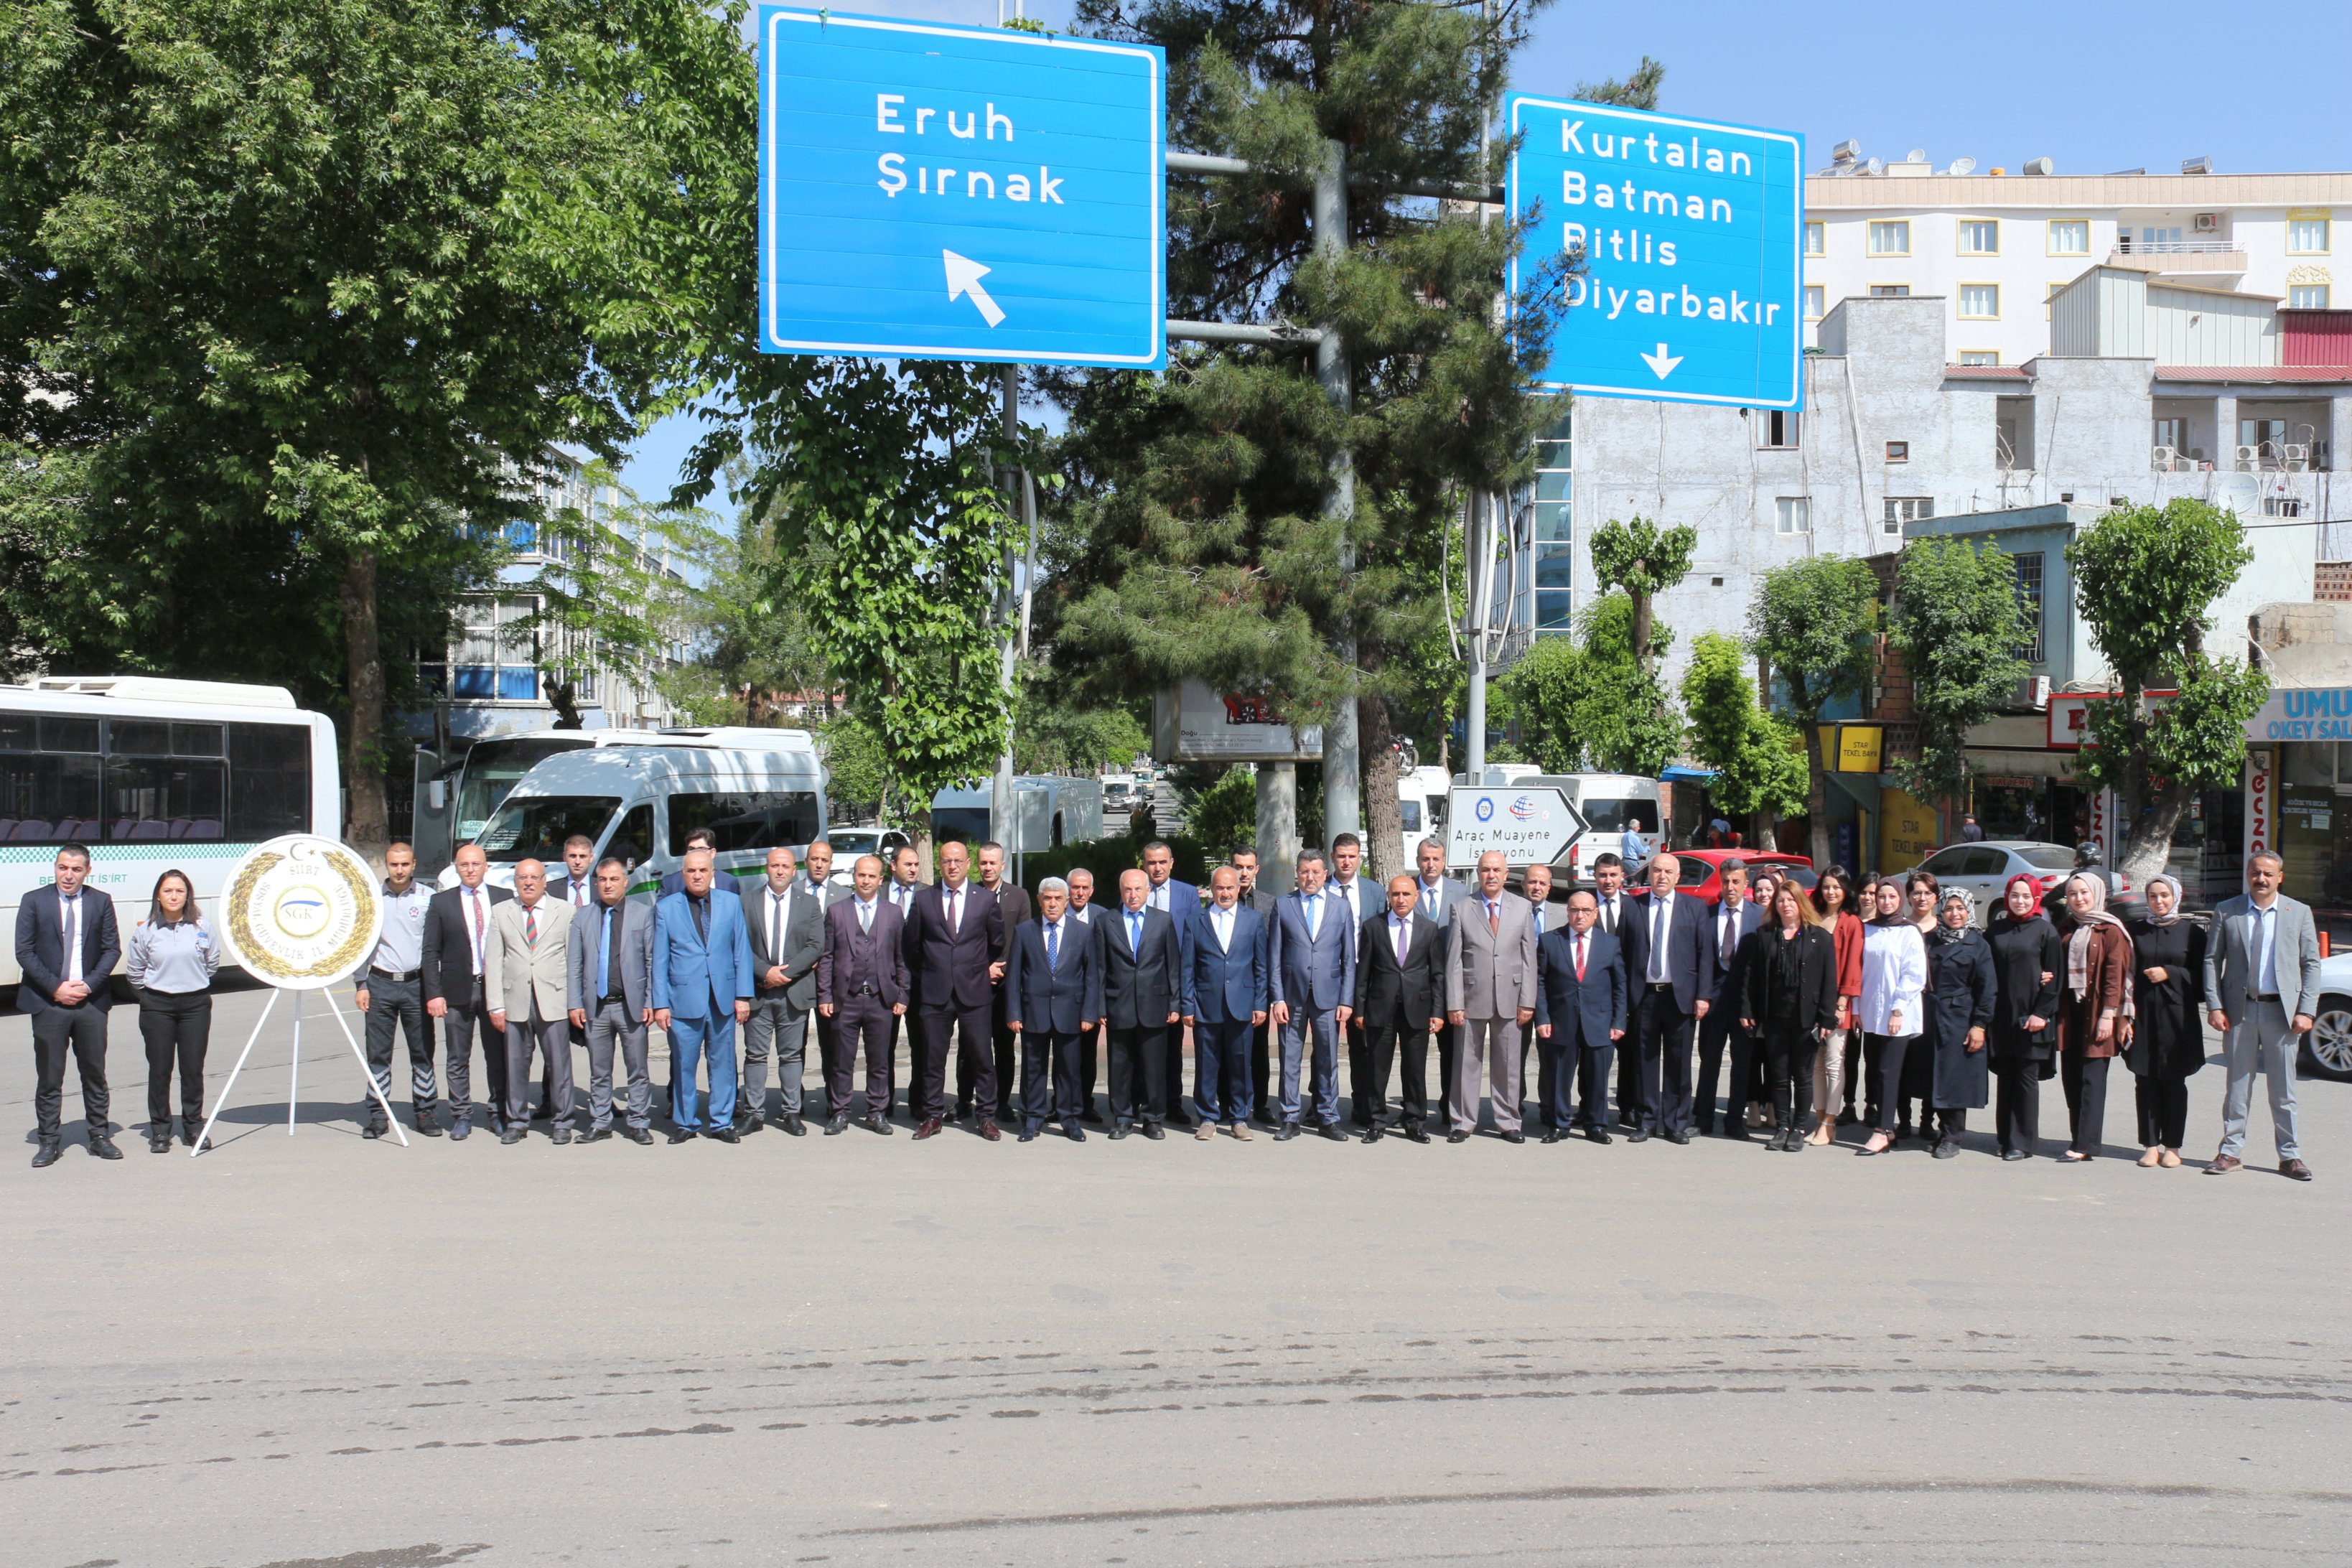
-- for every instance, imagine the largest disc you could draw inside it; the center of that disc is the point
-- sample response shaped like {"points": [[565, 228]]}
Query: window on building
{"points": [[1979, 356], [1980, 236], [2306, 297], [2282, 506], [2028, 588], [1816, 240], [1890, 291], [1981, 302], [2013, 433], [1898, 451], [2070, 236], [1814, 295], [1901, 510], [1553, 522], [1890, 238], [2307, 235], [1775, 429], [1794, 514]]}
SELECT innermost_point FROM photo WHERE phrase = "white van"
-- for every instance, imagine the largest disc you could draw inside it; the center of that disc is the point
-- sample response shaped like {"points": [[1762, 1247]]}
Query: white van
{"points": [[1421, 794], [1610, 803], [640, 801]]}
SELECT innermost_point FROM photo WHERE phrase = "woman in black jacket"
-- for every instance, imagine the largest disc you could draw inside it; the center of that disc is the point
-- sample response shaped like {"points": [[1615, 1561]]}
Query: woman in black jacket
{"points": [[2029, 957], [2167, 1042], [1792, 1004], [1961, 995]]}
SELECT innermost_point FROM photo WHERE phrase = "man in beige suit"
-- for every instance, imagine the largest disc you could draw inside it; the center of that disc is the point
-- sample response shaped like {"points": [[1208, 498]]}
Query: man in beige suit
{"points": [[526, 981], [1490, 996]]}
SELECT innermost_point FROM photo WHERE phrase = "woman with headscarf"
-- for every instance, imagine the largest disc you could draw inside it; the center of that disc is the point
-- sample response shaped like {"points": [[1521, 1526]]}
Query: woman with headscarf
{"points": [[2095, 1009], [1961, 995], [2028, 959], [1893, 976], [2167, 1036], [1790, 1004], [1835, 1068]]}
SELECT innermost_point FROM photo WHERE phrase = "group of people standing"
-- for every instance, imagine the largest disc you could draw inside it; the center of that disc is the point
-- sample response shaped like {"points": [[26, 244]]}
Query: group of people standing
{"points": [[1881, 995]]}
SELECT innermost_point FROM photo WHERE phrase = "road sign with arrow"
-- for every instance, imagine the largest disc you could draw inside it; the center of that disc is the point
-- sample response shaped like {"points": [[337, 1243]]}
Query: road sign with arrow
{"points": [[1690, 235], [901, 162]]}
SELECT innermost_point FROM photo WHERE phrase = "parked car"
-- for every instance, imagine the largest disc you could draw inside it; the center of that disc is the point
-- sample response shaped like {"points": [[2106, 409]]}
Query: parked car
{"points": [[1985, 868], [2327, 1050], [1703, 870], [849, 842]]}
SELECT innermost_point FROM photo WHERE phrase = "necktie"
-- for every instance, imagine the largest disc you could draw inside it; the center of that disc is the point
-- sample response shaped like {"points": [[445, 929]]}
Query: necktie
{"points": [[1314, 915], [1403, 936], [530, 925], [1658, 941], [1054, 946], [1224, 931], [955, 910], [865, 916], [1539, 925], [1580, 957], [1135, 932], [701, 917], [579, 892], [1494, 918], [1728, 940], [70, 930], [1610, 908], [1429, 897], [776, 924], [613, 950], [474, 923]]}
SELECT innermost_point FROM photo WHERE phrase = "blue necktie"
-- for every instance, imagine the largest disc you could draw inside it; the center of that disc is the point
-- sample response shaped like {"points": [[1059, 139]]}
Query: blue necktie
{"points": [[1054, 946], [1134, 932], [1314, 916]]}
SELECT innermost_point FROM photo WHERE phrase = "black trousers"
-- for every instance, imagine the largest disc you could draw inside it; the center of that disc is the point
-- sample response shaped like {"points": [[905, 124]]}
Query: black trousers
{"points": [[81, 1030], [934, 1034], [1139, 1073], [864, 1020], [1853, 1040], [2085, 1079], [1171, 1069], [176, 1026], [1089, 1069], [1049, 1079], [466, 1021], [1383, 1043], [1008, 1066], [2017, 1104], [2162, 1099], [1592, 1086], [1665, 1102], [1789, 1069], [1262, 1073], [1884, 1055], [1719, 1030], [394, 1006], [1629, 1068]]}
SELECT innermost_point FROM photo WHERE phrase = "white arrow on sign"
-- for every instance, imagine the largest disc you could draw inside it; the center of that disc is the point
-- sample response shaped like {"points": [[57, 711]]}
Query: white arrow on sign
{"points": [[1662, 362], [964, 278]]}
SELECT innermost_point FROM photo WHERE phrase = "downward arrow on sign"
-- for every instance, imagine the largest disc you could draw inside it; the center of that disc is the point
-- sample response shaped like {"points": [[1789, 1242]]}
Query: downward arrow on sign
{"points": [[1662, 362], [964, 278]]}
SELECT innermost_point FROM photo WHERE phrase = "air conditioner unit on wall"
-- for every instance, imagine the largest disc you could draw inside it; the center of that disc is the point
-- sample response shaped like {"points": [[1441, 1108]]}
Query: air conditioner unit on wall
{"points": [[2208, 222]]}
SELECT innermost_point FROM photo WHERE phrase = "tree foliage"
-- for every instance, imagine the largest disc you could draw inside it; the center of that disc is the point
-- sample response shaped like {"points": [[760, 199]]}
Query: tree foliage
{"points": [[1644, 561], [1759, 760], [2145, 582], [1961, 622], [1589, 704], [1814, 622]]}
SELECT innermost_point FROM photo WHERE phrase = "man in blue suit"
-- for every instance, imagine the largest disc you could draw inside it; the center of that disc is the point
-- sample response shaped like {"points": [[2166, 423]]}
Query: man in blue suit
{"points": [[1580, 1018], [702, 989], [1224, 1003], [67, 945], [1312, 964], [1671, 963], [1181, 902], [1053, 995]]}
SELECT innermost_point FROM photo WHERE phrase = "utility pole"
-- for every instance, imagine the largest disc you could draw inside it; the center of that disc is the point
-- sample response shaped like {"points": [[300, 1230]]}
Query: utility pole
{"points": [[1342, 767], [1000, 795]]}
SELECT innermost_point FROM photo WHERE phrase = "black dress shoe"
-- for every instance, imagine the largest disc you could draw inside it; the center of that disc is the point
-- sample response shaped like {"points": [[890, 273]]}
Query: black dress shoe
{"points": [[1285, 1132], [1947, 1148], [1332, 1129], [1739, 1135], [46, 1154], [1092, 1115], [1554, 1136], [835, 1126], [1153, 1130], [1372, 1133], [681, 1135], [160, 1143], [1457, 1137], [793, 1126], [561, 1132], [723, 1135], [877, 1124], [513, 1134], [1595, 1135], [639, 1135], [460, 1130], [1680, 1135], [1119, 1132], [596, 1135], [1514, 1136], [103, 1147], [2014, 1154], [1027, 1136], [426, 1127], [1075, 1134], [1637, 1136]]}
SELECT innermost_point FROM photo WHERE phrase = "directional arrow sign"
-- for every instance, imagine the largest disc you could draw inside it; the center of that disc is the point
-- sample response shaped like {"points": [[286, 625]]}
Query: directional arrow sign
{"points": [[903, 162], [1535, 826], [1687, 236]]}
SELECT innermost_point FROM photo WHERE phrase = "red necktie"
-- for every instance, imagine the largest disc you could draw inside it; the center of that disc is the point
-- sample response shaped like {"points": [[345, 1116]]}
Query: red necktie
{"points": [[530, 926], [1493, 919], [1579, 958]]}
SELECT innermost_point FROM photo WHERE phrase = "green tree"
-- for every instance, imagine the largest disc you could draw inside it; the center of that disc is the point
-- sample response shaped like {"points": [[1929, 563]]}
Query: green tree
{"points": [[857, 768], [608, 596], [1224, 816], [1051, 734], [1961, 622], [1759, 760], [1589, 704], [1644, 561], [2144, 582], [1814, 623]]}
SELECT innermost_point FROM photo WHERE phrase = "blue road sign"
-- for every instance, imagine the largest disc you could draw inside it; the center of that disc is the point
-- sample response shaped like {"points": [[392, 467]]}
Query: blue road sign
{"points": [[1692, 236], [934, 192]]}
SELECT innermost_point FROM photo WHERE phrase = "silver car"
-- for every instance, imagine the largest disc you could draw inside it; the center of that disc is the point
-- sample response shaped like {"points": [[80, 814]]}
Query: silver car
{"points": [[2327, 1050], [1984, 869]]}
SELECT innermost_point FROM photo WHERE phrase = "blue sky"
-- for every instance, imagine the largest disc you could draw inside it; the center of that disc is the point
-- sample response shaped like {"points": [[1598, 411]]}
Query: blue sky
{"points": [[2094, 87]]}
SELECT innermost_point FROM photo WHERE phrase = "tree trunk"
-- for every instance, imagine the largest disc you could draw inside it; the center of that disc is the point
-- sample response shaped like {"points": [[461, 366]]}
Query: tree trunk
{"points": [[1383, 818], [2149, 846], [1817, 795], [369, 831], [1642, 611]]}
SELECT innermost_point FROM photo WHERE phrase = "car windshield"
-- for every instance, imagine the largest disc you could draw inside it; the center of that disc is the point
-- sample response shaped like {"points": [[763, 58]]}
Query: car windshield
{"points": [[495, 767], [534, 827], [1694, 870], [1606, 816], [2046, 857]]}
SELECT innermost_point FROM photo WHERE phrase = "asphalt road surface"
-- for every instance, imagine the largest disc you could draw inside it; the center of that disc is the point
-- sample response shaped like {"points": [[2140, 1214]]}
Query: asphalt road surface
{"points": [[316, 1350]]}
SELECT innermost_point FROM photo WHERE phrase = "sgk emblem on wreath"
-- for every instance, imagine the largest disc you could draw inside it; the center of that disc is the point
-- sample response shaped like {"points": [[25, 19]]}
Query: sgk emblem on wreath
{"points": [[301, 912]]}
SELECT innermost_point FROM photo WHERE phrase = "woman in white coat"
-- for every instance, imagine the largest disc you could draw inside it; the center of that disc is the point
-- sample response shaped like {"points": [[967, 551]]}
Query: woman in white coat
{"points": [[1892, 1014]]}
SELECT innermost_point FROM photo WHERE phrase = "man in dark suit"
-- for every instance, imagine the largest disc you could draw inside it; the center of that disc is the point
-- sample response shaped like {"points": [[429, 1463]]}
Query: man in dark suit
{"points": [[67, 945], [1362, 899], [1579, 1017], [612, 998], [1143, 999], [1225, 1002], [1534, 884], [1180, 901], [1672, 965], [1614, 918], [785, 921], [1437, 893], [1054, 985], [952, 938], [861, 985], [1262, 899], [1012, 908], [1399, 998], [1732, 920], [456, 933], [1311, 962], [816, 880], [1082, 911]]}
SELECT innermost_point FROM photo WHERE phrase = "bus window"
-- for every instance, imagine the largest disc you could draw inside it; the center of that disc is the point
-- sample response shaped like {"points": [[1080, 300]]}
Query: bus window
{"points": [[268, 781], [744, 819]]}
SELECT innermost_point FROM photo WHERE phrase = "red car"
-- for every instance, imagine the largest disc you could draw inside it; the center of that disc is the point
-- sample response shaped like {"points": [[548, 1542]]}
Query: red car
{"points": [[1703, 870]]}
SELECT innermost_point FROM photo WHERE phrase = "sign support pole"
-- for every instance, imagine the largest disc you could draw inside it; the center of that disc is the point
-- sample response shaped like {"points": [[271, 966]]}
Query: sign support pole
{"points": [[1342, 767], [1000, 794]]}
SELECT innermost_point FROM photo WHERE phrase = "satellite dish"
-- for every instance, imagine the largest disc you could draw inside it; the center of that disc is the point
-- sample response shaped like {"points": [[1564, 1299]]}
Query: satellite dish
{"points": [[1873, 166], [1916, 155], [1962, 166]]}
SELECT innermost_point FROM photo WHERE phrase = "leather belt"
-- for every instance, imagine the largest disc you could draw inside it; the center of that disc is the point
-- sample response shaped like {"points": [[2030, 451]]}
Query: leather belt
{"points": [[2263, 996], [393, 974]]}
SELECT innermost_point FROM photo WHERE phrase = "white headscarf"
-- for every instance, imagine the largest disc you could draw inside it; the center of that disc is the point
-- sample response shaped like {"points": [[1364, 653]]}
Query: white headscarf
{"points": [[2078, 942], [2174, 883]]}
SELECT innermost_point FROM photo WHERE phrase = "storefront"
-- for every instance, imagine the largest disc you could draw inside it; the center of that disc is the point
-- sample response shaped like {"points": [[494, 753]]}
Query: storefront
{"points": [[2298, 795]]}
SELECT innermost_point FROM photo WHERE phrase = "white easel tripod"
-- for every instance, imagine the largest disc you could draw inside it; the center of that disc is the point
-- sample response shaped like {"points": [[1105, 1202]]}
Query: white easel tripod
{"points": [[294, 1073]]}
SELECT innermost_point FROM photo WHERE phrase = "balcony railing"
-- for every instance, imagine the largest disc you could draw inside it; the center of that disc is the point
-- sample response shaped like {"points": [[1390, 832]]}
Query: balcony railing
{"points": [[2127, 245]]}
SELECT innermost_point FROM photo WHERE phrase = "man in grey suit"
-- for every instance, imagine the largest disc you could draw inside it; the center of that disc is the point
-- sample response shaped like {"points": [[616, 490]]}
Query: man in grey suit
{"points": [[528, 993], [1311, 954], [787, 923], [1490, 996], [1437, 893], [2262, 990], [1364, 898], [611, 962]]}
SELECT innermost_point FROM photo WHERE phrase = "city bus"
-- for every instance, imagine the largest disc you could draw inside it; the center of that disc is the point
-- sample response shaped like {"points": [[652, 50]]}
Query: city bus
{"points": [[154, 775]]}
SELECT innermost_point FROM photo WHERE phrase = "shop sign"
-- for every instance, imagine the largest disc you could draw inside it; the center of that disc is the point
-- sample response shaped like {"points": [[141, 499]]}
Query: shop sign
{"points": [[1858, 748], [2261, 837], [2304, 713], [2070, 715]]}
